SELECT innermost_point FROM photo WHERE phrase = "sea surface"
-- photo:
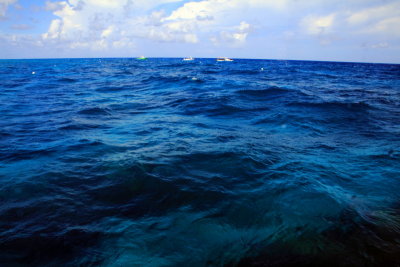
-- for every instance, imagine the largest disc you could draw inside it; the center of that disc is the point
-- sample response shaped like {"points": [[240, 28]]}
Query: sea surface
{"points": [[160, 162]]}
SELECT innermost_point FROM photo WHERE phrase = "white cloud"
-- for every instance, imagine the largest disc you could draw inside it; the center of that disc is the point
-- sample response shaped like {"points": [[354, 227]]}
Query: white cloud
{"points": [[375, 13], [379, 20], [321, 27], [54, 30], [388, 26], [107, 32], [317, 25], [17, 40], [21, 27], [104, 23], [4, 6], [123, 43], [237, 37], [18, 6], [55, 6], [380, 45]]}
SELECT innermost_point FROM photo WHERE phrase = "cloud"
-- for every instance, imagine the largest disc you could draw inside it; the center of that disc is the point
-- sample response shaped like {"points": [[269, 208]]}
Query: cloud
{"points": [[190, 22], [21, 27], [388, 26], [317, 25], [54, 30], [377, 20], [193, 10], [4, 6], [236, 37], [54, 6], [105, 23], [375, 13], [22, 41], [18, 6], [380, 45], [322, 27]]}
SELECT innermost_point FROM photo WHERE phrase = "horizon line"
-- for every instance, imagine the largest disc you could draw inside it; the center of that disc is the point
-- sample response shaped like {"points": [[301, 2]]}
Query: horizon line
{"points": [[271, 59]]}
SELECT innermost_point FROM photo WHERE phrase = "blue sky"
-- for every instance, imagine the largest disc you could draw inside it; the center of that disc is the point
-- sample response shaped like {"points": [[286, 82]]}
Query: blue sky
{"points": [[353, 30]]}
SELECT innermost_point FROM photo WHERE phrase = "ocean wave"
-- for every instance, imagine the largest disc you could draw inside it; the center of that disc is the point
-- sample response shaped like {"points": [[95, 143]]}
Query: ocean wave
{"points": [[172, 79], [210, 71], [220, 109], [11, 85], [82, 126], [67, 80], [271, 91], [24, 154], [347, 106], [174, 65], [244, 72], [112, 89], [95, 111]]}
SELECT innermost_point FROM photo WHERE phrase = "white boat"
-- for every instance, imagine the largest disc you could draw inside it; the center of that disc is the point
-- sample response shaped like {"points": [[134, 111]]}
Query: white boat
{"points": [[188, 59], [224, 59]]}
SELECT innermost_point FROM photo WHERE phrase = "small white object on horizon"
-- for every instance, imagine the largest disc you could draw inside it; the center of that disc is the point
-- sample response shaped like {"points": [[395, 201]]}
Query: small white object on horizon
{"points": [[224, 59]]}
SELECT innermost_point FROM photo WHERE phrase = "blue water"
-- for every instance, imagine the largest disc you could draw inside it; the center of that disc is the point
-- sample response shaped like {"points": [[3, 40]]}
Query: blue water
{"points": [[119, 162]]}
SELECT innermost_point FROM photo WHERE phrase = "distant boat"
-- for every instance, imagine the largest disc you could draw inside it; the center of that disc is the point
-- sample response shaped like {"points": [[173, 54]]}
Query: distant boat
{"points": [[141, 58], [224, 59], [188, 59]]}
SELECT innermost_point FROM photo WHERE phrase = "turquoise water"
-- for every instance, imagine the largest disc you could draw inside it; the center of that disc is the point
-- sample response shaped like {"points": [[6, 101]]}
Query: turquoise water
{"points": [[119, 162]]}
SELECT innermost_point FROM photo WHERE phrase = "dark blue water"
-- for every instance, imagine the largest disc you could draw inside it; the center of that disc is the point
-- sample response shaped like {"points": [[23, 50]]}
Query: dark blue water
{"points": [[118, 162]]}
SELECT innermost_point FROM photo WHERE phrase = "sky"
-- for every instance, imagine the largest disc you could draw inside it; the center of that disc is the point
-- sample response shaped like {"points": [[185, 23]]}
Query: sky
{"points": [[327, 30]]}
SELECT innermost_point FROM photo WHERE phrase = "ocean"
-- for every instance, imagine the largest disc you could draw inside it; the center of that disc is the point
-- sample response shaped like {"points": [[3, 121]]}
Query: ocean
{"points": [[161, 162]]}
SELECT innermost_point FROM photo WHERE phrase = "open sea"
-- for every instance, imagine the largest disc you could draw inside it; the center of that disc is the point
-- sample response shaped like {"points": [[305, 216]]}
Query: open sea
{"points": [[160, 162]]}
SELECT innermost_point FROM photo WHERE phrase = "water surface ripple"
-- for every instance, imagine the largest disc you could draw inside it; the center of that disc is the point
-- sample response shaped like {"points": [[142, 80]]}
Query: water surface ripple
{"points": [[119, 162]]}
